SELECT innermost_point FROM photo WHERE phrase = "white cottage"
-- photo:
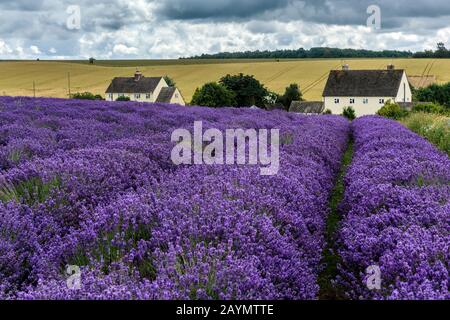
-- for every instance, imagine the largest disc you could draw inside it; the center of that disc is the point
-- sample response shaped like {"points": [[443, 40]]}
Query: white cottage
{"points": [[143, 89], [365, 90]]}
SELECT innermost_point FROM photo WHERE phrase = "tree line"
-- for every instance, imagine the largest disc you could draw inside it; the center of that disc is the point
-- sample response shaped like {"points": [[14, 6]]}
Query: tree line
{"points": [[301, 53], [440, 52], [325, 53]]}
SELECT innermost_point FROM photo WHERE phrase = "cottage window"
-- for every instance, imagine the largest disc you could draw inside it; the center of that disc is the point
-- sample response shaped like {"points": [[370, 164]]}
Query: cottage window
{"points": [[336, 100], [352, 101], [137, 95], [147, 96], [365, 100], [381, 101], [111, 96]]}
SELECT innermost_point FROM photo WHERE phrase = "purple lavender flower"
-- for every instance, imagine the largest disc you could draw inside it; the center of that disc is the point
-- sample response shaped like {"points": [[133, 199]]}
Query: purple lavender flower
{"points": [[91, 184], [396, 214]]}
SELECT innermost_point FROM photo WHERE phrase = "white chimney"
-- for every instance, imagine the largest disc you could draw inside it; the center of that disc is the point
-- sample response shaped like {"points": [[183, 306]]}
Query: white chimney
{"points": [[137, 75], [345, 67]]}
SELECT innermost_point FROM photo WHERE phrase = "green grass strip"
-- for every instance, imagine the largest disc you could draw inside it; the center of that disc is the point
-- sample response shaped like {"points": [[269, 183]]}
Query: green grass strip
{"points": [[31, 192], [330, 258]]}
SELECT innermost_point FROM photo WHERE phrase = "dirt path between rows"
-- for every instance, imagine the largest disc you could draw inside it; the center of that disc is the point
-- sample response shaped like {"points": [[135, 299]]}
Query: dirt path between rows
{"points": [[328, 291]]}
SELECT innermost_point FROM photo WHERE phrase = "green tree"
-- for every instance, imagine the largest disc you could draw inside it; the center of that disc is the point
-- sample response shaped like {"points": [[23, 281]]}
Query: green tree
{"points": [[292, 93], [441, 51], [214, 95], [349, 113], [247, 90], [436, 93], [86, 96], [392, 110], [123, 98], [170, 82]]}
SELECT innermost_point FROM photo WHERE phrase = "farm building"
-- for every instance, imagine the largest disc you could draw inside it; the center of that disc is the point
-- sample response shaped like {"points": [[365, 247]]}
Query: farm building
{"points": [[307, 107], [143, 89], [365, 90]]}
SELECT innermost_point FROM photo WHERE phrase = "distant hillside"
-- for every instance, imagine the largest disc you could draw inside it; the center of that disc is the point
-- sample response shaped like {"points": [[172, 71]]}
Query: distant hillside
{"points": [[327, 53], [307, 54]]}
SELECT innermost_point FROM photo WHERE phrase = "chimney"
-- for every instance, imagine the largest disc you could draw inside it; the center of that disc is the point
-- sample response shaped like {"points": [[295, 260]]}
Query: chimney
{"points": [[137, 75], [391, 67], [345, 67]]}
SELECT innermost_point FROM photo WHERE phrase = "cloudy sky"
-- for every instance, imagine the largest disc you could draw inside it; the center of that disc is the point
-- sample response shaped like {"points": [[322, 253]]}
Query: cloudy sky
{"points": [[108, 29]]}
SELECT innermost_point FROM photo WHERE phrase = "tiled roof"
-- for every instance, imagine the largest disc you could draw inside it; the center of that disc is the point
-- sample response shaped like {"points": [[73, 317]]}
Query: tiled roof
{"points": [[307, 107], [166, 95], [129, 85], [363, 83]]}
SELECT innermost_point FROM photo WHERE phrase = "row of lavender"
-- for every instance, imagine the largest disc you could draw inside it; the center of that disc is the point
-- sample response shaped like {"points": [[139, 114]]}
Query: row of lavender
{"points": [[397, 215], [91, 184]]}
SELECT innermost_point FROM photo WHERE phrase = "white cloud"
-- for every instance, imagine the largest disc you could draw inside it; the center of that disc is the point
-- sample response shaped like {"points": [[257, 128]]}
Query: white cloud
{"points": [[123, 49], [35, 50], [4, 48], [183, 38], [52, 50]]}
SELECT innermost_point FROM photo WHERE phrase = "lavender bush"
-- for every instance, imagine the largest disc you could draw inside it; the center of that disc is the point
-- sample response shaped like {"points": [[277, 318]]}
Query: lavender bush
{"points": [[396, 214], [91, 184]]}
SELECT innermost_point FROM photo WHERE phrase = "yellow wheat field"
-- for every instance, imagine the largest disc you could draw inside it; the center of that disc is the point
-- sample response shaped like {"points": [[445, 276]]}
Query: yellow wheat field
{"points": [[51, 78]]}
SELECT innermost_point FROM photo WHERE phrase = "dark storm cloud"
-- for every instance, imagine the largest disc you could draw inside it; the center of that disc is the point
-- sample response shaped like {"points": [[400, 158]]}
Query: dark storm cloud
{"points": [[200, 9], [354, 12], [22, 5], [340, 12], [114, 15], [104, 17], [47, 18]]}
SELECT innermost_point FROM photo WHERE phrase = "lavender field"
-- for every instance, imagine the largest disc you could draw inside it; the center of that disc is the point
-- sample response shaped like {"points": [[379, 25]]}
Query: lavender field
{"points": [[396, 214], [92, 184]]}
